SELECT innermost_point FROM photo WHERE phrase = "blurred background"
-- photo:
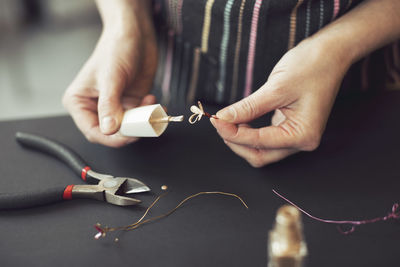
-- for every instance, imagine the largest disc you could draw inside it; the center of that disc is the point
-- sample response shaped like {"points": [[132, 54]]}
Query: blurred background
{"points": [[43, 44]]}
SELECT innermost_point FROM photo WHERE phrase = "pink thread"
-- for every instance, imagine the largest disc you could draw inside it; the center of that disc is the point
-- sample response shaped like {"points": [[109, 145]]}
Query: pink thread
{"points": [[394, 214], [252, 48], [336, 7]]}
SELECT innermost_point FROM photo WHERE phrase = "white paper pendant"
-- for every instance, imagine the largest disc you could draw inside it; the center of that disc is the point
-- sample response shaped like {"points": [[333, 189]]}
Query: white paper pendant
{"points": [[146, 121]]}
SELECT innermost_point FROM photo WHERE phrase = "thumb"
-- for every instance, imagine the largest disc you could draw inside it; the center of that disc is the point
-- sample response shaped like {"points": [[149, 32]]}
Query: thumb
{"points": [[255, 105], [110, 110]]}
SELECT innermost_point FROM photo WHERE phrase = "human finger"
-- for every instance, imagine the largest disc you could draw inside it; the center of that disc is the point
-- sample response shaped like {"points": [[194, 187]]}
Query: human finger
{"points": [[84, 113], [129, 102], [115, 140], [259, 157], [148, 100], [278, 117], [111, 85], [284, 135], [255, 105]]}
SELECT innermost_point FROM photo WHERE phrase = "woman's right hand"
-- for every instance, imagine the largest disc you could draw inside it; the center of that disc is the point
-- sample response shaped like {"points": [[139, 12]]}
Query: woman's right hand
{"points": [[118, 75]]}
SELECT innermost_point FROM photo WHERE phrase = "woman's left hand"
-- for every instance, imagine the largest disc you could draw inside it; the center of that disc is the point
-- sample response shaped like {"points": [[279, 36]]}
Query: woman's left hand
{"points": [[301, 89]]}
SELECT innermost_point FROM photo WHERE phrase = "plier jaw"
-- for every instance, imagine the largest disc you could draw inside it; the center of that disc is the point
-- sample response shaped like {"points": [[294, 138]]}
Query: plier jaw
{"points": [[110, 189], [131, 185], [116, 195]]}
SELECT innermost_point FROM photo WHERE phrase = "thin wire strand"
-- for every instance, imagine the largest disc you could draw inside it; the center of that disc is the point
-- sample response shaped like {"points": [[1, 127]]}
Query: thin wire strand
{"points": [[141, 221], [394, 214]]}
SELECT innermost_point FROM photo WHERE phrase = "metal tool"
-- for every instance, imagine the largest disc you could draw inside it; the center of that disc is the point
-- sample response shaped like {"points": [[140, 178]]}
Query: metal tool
{"points": [[114, 190]]}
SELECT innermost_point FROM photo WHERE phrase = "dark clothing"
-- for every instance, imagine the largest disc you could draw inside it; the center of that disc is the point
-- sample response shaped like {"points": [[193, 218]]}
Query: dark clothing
{"points": [[222, 50]]}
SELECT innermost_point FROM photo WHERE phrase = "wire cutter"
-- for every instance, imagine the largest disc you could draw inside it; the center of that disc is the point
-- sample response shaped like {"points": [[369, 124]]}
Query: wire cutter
{"points": [[114, 190]]}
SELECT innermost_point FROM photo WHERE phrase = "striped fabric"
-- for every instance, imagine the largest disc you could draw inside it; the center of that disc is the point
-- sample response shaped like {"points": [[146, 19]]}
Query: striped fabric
{"points": [[252, 48], [321, 13], [222, 50], [168, 68], [293, 24], [206, 26], [308, 18], [336, 7], [238, 43]]}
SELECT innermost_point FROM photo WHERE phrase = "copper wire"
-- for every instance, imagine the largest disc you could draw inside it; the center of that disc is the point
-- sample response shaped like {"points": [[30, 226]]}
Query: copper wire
{"points": [[141, 221]]}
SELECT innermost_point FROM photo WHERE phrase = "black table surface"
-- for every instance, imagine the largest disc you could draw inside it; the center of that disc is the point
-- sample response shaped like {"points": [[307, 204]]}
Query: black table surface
{"points": [[354, 174]]}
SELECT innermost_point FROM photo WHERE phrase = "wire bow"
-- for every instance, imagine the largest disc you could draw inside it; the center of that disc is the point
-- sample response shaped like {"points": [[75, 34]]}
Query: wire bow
{"points": [[198, 112]]}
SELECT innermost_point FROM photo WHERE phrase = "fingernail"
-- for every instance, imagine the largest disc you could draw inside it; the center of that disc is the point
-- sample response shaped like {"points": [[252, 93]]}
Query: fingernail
{"points": [[212, 120], [108, 124], [227, 114]]}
